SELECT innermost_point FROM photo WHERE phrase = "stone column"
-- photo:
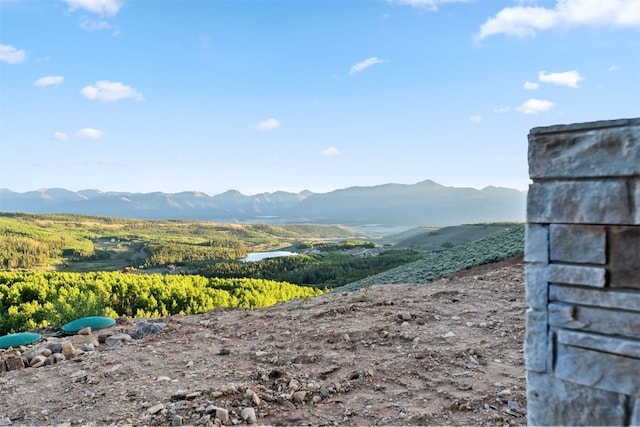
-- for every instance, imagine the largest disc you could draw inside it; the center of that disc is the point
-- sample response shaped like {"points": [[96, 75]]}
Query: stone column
{"points": [[582, 254]]}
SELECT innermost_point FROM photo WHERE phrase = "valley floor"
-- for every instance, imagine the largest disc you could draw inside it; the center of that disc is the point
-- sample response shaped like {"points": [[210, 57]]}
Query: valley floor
{"points": [[445, 353]]}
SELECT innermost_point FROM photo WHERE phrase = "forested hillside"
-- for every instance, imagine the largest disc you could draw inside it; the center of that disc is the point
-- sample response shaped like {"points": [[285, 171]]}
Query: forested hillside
{"points": [[438, 264], [65, 241], [31, 300], [60, 267]]}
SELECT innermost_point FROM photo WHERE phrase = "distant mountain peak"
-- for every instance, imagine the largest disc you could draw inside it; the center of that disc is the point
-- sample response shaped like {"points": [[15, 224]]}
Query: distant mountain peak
{"points": [[425, 203]]}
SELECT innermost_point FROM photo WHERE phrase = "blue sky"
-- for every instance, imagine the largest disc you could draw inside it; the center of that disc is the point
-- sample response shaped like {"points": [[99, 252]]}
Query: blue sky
{"points": [[260, 96]]}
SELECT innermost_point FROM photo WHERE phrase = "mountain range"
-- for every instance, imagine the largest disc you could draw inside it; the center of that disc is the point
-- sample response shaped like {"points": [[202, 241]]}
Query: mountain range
{"points": [[422, 204]]}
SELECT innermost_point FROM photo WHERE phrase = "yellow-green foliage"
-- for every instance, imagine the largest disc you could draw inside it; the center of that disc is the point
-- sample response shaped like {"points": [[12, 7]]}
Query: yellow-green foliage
{"points": [[30, 241], [35, 299]]}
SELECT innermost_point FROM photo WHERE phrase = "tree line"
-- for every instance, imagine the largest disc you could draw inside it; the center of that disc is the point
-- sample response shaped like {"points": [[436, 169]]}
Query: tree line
{"points": [[320, 269], [37, 299]]}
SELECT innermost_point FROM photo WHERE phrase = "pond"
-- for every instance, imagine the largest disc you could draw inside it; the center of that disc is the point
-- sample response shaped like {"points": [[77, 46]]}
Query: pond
{"points": [[257, 256]]}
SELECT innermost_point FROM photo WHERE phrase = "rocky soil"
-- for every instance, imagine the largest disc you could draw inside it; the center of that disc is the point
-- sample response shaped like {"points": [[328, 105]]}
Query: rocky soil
{"points": [[446, 353]]}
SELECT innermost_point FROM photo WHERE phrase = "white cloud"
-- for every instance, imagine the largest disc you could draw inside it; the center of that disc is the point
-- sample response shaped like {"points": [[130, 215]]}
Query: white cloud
{"points": [[91, 25], [89, 133], [107, 91], [48, 81], [426, 4], [502, 110], [568, 78], [475, 119], [331, 151], [268, 124], [11, 55], [613, 67], [527, 21], [364, 64], [60, 136], [535, 106], [531, 85], [99, 7]]}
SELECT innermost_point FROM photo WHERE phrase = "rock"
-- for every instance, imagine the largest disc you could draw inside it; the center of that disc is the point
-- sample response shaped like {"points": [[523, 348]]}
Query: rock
{"points": [[144, 329], [324, 392], [67, 349], [162, 379], [155, 408], [85, 331], [405, 316], [55, 347], [448, 335], [102, 338], [220, 413], [42, 351], [316, 399], [177, 420], [14, 363], [38, 360], [224, 352], [516, 407], [294, 385], [117, 340], [299, 396], [179, 395], [249, 415], [504, 392], [5, 422], [55, 358], [252, 396], [473, 359], [88, 347]]}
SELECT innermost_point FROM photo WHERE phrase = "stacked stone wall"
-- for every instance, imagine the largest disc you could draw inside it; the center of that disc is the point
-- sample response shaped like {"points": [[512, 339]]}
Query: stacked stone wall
{"points": [[582, 254]]}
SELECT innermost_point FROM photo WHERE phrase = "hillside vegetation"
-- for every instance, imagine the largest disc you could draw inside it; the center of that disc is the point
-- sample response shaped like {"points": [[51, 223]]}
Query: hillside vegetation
{"points": [[39, 299], [434, 239], [93, 247], [435, 265], [90, 243]]}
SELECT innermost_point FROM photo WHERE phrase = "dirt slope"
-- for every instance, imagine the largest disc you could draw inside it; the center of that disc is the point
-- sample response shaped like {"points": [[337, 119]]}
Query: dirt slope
{"points": [[447, 353]]}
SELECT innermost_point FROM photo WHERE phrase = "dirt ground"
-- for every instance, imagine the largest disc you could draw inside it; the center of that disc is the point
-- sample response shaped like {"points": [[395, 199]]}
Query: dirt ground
{"points": [[447, 353]]}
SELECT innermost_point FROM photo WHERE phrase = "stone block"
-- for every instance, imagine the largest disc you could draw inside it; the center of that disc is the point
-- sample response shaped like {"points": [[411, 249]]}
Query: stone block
{"points": [[636, 198], [604, 371], [553, 402], [607, 201], [536, 278], [577, 275], [608, 344], [635, 414], [536, 243], [624, 259], [592, 319], [597, 149], [535, 341], [14, 363], [607, 298], [583, 244]]}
